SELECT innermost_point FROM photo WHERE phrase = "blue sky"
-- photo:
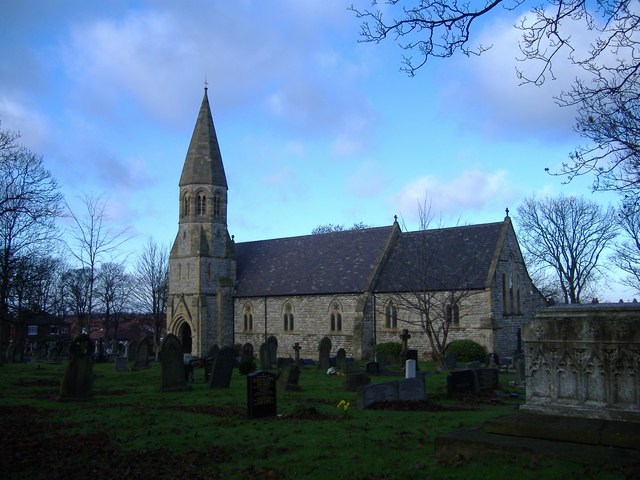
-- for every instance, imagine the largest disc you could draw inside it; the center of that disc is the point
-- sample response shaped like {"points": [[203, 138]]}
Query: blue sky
{"points": [[314, 127]]}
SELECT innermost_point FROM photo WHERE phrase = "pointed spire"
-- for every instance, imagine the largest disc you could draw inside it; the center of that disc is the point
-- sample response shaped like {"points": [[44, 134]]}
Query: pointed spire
{"points": [[203, 163]]}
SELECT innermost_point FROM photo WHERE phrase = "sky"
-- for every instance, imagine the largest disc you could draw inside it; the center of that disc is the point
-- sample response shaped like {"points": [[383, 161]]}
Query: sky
{"points": [[315, 127]]}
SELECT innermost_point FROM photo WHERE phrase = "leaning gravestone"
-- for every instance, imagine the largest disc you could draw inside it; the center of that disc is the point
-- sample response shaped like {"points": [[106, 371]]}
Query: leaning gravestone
{"points": [[132, 350], [272, 343], [288, 377], [324, 349], [172, 365], [261, 394], [77, 383], [223, 368], [142, 355], [265, 357], [341, 359]]}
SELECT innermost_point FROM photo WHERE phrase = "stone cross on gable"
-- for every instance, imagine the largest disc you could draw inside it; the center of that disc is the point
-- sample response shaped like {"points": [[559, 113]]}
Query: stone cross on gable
{"points": [[297, 349]]}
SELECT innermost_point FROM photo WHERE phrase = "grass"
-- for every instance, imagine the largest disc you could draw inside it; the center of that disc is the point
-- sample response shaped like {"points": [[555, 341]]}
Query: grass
{"points": [[130, 429]]}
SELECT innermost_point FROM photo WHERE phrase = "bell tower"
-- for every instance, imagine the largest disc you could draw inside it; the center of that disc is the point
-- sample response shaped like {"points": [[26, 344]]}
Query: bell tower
{"points": [[202, 265]]}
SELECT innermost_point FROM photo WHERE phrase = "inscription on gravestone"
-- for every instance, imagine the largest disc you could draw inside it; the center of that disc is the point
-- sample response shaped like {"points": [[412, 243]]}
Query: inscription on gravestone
{"points": [[261, 394]]}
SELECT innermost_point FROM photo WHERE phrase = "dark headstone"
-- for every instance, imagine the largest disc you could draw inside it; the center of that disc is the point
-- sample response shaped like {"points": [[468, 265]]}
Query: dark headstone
{"points": [[412, 354], [265, 357], [341, 358], [450, 361], [404, 339], [352, 381], [77, 383], [222, 368], [142, 355], [324, 349], [272, 343], [132, 350], [282, 361], [121, 364], [461, 381], [383, 361], [246, 353], [208, 362], [261, 394], [486, 380], [372, 368], [172, 365], [296, 349], [351, 366], [288, 377], [377, 392], [412, 389]]}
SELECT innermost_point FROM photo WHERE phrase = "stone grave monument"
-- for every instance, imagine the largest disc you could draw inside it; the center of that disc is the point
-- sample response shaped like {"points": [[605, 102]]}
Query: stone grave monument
{"points": [[172, 366], [223, 368], [324, 351], [77, 383], [261, 394], [288, 377], [142, 355]]}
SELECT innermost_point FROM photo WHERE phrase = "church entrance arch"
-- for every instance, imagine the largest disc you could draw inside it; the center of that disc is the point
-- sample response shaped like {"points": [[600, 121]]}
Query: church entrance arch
{"points": [[184, 334]]}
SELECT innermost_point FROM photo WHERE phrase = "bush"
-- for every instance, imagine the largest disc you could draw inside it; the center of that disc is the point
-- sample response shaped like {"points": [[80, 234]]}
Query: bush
{"points": [[467, 351], [389, 348]]}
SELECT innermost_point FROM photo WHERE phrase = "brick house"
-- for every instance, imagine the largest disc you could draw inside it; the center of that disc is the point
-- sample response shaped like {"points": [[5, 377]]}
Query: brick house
{"points": [[351, 286]]}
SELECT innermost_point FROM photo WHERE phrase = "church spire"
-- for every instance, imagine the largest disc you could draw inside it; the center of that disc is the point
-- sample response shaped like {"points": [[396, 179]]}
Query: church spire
{"points": [[203, 163]]}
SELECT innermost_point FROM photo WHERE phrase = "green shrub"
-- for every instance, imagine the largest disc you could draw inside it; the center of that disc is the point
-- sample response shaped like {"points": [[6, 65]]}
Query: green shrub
{"points": [[389, 348], [247, 366], [467, 351]]}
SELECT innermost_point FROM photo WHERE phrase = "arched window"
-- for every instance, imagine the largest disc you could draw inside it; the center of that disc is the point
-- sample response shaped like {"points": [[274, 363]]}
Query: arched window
{"points": [[201, 204], [186, 205], [216, 205], [287, 317], [391, 316], [247, 318], [453, 314], [335, 318]]}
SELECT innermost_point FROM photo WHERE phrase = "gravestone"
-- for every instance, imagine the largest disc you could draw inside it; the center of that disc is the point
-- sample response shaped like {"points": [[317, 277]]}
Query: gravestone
{"points": [[288, 377], [54, 354], [132, 350], [9, 354], [296, 349], [272, 343], [142, 355], [341, 358], [461, 381], [265, 357], [172, 366], [208, 362], [404, 338], [353, 381], [261, 394], [222, 368], [410, 369], [412, 354], [412, 389], [372, 368], [351, 366], [450, 361], [519, 364], [246, 353], [121, 364], [77, 383], [486, 380], [324, 349], [383, 361], [377, 392]]}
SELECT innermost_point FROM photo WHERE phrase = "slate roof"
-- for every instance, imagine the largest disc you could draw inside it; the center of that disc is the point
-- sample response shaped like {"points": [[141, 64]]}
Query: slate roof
{"points": [[338, 262], [203, 163], [457, 258]]}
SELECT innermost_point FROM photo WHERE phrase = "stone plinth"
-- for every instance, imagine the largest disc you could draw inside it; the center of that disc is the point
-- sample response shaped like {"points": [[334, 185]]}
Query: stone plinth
{"points": [[584, 361]]}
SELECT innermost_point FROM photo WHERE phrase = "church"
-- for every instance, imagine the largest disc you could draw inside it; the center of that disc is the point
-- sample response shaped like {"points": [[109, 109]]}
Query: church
{"points": [[356, 287]]}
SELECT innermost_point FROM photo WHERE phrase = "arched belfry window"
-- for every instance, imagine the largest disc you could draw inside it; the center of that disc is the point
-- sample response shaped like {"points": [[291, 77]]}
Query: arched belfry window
{"points": [[247, 317], [287, 317], [453, 313], [186, 205], [391, 315], [217, 201], [335, 317], [201, 204]]}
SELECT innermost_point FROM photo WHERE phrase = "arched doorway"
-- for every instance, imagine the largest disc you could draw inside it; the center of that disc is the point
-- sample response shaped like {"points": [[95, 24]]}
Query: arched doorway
{"points": [[184, 334]]}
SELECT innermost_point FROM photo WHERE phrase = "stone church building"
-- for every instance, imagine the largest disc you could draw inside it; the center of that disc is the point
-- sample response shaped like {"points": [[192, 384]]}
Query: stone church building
{"points": [[356, 287]]}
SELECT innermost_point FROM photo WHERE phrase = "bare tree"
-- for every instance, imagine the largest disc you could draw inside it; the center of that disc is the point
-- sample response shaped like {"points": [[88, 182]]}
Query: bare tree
{"points": [[30, 202], [627, 251], [568, 236], [606, 95], [152, 273], [329, 228], [113, 288], [92, 242], [431, 294]]}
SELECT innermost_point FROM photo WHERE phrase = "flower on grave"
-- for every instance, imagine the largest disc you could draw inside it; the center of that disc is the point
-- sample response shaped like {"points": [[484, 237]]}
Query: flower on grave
{"points": [[344, 407]]}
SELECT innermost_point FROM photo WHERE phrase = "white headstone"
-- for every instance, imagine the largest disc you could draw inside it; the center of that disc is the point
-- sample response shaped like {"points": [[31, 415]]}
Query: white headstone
{"points": [[410, 369]]}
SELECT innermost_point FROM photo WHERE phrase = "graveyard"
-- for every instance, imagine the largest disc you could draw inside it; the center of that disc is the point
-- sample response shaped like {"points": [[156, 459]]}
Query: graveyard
{"points": [[310, 425]]}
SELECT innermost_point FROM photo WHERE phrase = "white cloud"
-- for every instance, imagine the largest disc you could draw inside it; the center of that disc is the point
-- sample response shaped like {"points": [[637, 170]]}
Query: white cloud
{"points": [[471, 191]]}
